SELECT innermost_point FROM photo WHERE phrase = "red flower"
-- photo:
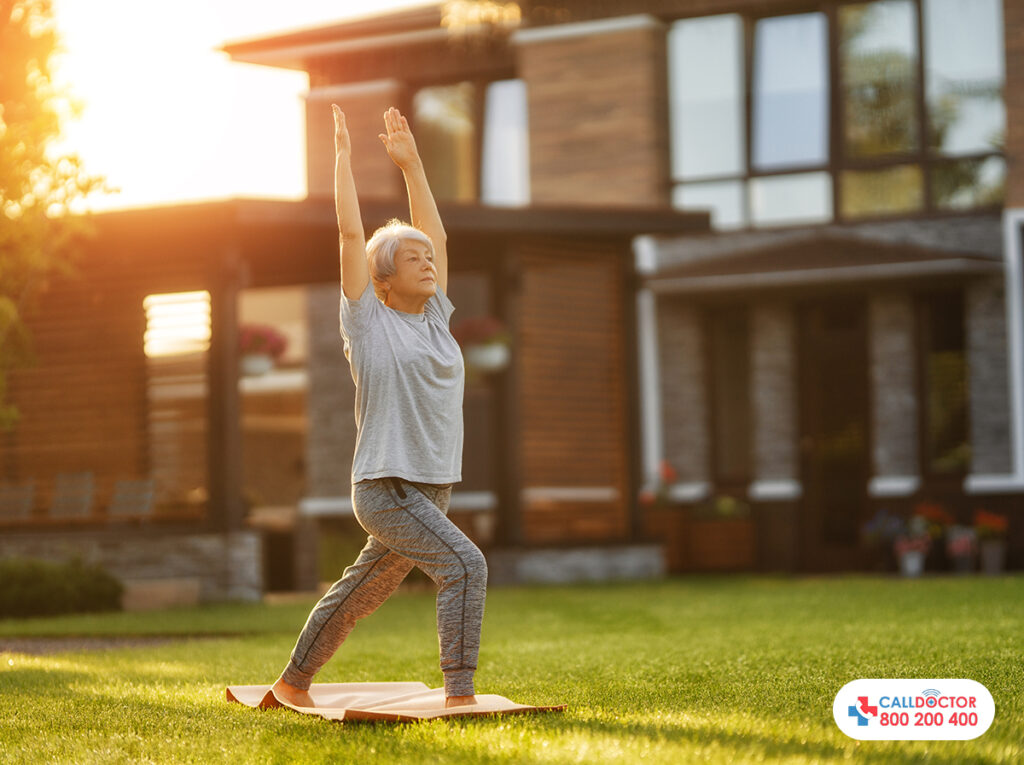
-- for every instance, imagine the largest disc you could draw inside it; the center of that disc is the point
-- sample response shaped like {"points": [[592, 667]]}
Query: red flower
{"points": [[989, 524], [667, 472]]}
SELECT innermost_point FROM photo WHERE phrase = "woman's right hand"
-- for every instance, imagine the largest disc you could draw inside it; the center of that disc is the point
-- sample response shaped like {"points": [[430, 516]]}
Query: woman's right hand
{"points": [[342, 143]]}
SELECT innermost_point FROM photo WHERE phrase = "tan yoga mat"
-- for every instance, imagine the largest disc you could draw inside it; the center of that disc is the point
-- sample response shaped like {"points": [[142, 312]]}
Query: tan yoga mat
{"points": [[381, 702]]}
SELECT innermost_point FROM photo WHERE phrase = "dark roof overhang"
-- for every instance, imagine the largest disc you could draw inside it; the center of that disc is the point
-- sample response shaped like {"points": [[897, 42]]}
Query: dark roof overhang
{"points": [[818, 260]]}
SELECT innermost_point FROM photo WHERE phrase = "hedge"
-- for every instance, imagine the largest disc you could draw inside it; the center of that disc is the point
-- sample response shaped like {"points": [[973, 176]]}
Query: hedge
{"points": [[37, 588]]}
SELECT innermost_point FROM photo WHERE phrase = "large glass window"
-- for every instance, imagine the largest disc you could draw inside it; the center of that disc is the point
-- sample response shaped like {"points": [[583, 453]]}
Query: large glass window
{"points": [[866, 151], [790, 92], [964, 75], [443, 119], [878, 66], [730, 396], [707, 92], [505, 175], [944, 377]]}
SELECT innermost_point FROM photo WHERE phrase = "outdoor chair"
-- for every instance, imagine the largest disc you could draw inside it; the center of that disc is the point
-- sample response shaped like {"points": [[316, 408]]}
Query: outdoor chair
{"points": [[133, 497], [16, 501], [72, 495]]}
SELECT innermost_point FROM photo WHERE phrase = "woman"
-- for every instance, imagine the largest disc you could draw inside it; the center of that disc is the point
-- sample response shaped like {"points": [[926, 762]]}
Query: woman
{"points": [[409, 380]]}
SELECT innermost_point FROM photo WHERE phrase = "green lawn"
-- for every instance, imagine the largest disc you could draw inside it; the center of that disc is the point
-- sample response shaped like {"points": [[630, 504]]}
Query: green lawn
{"points": [[715, 669]]}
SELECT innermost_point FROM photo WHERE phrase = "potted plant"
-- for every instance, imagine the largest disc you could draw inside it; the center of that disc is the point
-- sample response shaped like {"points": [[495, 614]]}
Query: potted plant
{"points": [[936, 520], [484, 342], [260, 346], [962, 548], [663, 520], [991, 530], [912, 545]]}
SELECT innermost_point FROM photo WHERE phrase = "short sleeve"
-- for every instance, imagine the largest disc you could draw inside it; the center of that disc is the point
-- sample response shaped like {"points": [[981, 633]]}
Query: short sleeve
{"points": [[355, 314], [439, 307]]}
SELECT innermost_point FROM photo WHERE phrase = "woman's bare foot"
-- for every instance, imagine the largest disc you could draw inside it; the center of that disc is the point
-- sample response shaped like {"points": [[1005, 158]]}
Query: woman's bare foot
{"points": [[294, 696], [459, 701]]}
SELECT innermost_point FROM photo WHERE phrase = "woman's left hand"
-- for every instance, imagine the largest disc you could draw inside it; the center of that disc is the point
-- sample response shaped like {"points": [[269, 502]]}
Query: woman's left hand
{"points": [[399, 141]]}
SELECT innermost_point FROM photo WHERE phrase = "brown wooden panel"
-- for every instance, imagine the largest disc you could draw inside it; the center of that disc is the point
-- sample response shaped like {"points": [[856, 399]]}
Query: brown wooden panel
{"points": [[573, 412]]}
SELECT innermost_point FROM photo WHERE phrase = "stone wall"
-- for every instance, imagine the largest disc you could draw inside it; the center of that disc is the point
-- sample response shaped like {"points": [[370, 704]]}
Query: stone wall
{"points": [[330, 442], [988, 383], [894, 414], [228, 566], [773, 392], [683, 394]]}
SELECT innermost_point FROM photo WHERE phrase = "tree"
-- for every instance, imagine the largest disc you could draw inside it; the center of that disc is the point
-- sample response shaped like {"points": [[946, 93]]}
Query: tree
{"points": [[39, 237]]}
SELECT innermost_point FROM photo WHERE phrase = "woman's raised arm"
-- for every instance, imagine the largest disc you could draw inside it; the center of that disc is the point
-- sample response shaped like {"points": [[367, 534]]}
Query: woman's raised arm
{"points": [[355, 273], [423, 210]]}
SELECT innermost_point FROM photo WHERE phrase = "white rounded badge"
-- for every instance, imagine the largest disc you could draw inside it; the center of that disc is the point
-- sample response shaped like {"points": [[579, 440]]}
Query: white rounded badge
{"points": [[900, 709]]}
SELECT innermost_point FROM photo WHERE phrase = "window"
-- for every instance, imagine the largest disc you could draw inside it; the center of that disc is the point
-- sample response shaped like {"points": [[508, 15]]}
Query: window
{"points": [[917, 123], [467, 163], [505, 175], [944, 380], [730, 397]]}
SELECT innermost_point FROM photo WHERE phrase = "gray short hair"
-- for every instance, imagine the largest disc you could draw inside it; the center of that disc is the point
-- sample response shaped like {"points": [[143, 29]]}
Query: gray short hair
{"points": [[383, 245]]}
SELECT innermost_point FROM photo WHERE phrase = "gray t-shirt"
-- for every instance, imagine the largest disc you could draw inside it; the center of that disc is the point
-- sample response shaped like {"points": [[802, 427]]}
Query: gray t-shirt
{"points": [[409, 378]]}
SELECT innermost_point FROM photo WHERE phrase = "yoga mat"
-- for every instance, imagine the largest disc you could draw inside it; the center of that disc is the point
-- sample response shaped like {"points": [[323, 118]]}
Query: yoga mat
{"points": [[380, 702]]}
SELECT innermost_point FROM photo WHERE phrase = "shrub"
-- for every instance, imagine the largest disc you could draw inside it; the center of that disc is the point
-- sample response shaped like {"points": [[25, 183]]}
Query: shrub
{"points": [[38, 588]]}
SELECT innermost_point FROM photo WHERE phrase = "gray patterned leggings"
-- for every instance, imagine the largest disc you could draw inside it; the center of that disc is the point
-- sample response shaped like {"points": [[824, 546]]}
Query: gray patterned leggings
{"points": [[408, 526]]}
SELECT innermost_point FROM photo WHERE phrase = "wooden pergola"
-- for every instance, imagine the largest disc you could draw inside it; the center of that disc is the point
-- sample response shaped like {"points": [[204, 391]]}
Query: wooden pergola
{"points": [[91, 360]]}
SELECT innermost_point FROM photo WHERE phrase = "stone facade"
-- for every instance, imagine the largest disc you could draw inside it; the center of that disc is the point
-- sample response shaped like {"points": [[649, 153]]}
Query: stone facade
{"points": [[773, 392], [330, 442], [988, 383], [227, 566], [894, 414], [683, 392]]}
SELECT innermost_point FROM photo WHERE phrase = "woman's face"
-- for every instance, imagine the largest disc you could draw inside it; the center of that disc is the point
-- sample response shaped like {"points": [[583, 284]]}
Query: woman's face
{"points": [[415, 273]]}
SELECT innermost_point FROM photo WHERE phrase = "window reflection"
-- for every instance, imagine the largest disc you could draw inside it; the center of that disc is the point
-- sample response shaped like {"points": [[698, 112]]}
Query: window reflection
{"points": [[506, 153], [790, 91], [878, 64], [724, 199], [706, 96], [966, 183], [880, 192], [786, 199], [947, 447], [964, 75], [445, 137]]}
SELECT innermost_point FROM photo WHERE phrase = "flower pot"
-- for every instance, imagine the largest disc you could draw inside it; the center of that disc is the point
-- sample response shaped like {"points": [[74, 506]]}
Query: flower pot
{"points": [[911, 563], [254, 364], [488, 357], [993, 556]]}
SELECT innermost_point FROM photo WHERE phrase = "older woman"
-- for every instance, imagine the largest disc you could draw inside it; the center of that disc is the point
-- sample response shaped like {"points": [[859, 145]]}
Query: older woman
{"points": [[409, 378]]}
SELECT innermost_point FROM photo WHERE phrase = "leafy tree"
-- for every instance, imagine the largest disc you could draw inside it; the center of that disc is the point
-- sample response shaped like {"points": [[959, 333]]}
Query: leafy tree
{"points": [[39, 237]]}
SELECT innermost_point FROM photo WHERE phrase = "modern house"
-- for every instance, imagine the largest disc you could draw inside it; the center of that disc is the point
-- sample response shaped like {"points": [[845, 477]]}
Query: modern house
{"points": [[752, 254]]}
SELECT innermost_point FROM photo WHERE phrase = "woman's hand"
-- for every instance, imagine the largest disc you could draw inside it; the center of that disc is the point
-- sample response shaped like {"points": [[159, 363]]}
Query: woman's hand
{"points": [[342, 143], [399, 141]]}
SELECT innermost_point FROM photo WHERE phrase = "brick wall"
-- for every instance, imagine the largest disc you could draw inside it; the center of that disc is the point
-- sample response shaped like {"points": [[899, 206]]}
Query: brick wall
{"points": [[894, 414], [364, 105], [598, 112]]}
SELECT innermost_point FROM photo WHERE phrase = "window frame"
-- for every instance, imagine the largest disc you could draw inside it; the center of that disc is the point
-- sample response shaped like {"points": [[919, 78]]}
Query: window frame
{"points": [[924, 157]]}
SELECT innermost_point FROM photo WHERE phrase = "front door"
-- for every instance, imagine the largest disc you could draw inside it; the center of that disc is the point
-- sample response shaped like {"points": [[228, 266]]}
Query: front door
{"points": [[834, 444]]}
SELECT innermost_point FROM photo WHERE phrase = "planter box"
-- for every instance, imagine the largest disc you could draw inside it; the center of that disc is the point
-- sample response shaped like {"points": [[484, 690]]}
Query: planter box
{"points": [[721, 545]]}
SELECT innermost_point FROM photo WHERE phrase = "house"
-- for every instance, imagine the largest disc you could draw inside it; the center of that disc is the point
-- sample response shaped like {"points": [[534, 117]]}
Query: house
{"points": [[773, 245]]}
